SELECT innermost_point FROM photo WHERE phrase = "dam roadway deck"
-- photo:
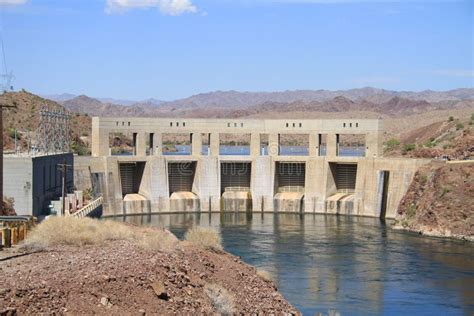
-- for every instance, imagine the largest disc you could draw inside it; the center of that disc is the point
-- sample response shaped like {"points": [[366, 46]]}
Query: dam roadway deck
{"points": [[263, 179]]}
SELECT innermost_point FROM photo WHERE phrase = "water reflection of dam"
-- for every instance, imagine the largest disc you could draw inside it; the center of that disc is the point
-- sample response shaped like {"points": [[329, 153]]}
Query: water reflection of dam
{"points": [[192, 165]]}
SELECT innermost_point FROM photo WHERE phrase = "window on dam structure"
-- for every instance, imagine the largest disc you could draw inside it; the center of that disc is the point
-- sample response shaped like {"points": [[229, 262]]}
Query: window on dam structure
{"points": [[294, 144], [351, 145], [344, 176], [234, 144], [181, 176], [176, 144], [206, 144], [235, 176], [122, 144], [290, 176], [263, 144], [131, 174], [321, 142]]}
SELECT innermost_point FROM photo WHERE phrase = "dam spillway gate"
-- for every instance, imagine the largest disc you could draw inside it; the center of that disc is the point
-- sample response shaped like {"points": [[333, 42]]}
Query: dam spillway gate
{"points": [[289, 186], [235, 186], [181, 177], [331, 174]]}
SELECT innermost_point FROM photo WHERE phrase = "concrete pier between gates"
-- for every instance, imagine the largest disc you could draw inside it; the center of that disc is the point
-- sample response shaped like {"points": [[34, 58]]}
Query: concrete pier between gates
{"points": [[324, 179]]}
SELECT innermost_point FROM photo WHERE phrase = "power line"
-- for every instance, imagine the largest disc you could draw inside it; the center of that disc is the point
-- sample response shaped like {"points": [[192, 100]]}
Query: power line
{"points": [[7, 77]]}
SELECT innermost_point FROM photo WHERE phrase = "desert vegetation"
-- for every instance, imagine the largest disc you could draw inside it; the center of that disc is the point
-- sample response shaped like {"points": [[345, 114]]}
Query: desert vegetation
{"points": [[220, 298], [57, 231], [115, 268], [204, 237], [264, 274]]}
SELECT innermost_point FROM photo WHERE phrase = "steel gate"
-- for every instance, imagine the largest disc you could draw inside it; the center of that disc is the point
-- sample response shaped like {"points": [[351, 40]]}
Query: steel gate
{"points": [[181, 176]]}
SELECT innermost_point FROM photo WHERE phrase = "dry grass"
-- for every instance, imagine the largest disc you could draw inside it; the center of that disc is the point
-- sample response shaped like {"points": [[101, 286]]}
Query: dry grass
{"points": [[220, 298], [86, 231], [204, 237], [159, 240], [77, 232], [267, 276]]}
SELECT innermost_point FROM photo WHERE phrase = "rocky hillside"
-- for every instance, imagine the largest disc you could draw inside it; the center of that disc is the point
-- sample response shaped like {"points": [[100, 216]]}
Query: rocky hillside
{"points": [[440, 201], [452, 139], [25, 120], [239, 104]]}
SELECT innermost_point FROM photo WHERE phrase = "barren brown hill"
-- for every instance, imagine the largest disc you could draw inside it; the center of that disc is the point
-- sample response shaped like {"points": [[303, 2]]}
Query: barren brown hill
{"points": [[439, 201], [234, 103], [25, 119], [402, 117]]}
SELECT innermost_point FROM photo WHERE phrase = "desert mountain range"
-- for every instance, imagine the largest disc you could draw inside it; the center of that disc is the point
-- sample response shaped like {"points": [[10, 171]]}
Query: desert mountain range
{"points": [[244, 104]]}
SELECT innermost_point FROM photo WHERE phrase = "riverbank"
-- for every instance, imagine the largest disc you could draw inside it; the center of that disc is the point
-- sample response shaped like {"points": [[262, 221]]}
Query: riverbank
{"points": [[133, 270], [439, 202]]}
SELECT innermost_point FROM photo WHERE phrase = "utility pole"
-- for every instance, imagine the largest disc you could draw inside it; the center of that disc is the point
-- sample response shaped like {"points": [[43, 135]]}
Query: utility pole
{"points": [[63, 167], [3, 104]]}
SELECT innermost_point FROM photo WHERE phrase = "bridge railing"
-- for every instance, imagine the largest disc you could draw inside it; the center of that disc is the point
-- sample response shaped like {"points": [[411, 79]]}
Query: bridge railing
{"points": [[86, 210]]}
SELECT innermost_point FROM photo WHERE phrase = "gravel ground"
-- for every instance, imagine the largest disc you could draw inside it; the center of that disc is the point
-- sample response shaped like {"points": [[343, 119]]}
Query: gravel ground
{"points": [[121, 278]]}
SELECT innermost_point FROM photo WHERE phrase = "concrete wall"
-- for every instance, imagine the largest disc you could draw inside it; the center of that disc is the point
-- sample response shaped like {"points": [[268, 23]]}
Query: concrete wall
{"points": [[18, 183], [34, 181], [319, 187], [143, 127], [47, 180]]}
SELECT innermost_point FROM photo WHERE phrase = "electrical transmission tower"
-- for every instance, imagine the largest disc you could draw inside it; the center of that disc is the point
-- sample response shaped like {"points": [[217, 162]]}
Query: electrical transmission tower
{"points": [[53, 134]]}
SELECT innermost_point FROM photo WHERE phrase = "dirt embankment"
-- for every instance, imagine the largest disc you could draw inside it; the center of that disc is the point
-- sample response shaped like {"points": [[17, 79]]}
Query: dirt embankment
{"points": [[440, 201], [120, 277]]}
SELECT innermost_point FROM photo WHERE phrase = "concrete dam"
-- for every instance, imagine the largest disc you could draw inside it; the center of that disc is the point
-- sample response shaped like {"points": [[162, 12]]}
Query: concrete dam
{"points": [[244, 165]]}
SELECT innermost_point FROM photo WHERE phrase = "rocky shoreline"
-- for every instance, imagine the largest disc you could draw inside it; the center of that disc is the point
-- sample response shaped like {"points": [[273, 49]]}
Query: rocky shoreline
{"points": [[439, 202], [120, 278], [430, 232]]}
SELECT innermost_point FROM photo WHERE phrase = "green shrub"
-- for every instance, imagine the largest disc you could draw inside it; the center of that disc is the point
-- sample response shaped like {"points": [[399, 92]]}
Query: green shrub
{"points": [[11, 134], [430, 143], [409, 147], [451, 118], [392, 143], [444, 191], [424, 179], [80, 149], [459, 126], [411, 211]]}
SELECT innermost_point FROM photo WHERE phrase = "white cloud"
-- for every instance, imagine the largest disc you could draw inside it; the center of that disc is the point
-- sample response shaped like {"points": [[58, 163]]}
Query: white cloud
{"points": [[351, 1], [13, 2], [168, 7]]}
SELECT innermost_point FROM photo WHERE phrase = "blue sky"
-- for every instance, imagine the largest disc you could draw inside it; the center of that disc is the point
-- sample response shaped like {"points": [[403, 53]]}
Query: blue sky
{"points": [[169, 49]]}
